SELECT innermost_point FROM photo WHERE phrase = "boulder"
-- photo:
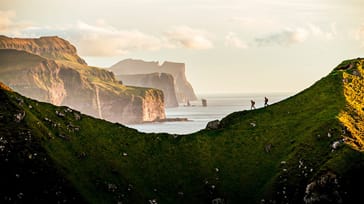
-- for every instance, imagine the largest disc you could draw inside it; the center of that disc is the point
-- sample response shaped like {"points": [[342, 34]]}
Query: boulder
{"points": [[213, 125]]}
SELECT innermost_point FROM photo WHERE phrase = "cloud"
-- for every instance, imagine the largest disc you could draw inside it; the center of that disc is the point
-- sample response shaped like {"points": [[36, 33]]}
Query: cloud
{"points": [[101, 39], [8, 26], [232, 40], [286, 37], [186, 37], [104, 40], [359, 35], [318, 32], [291, 36]]}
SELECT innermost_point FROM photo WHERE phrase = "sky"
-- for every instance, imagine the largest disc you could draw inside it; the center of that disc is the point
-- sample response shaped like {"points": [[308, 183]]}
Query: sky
{"points": [[229, 46]]}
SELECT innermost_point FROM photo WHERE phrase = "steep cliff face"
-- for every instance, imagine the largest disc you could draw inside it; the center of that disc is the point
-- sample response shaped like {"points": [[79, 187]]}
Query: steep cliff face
{"points": [[100, 95], [161, 81], [151, 105], [183, 88], [70, 82], [32, 75], [49, 47]]}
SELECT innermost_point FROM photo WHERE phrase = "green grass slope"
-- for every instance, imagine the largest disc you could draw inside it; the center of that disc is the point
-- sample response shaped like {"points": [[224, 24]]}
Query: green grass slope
{"points": [[280, 154]]}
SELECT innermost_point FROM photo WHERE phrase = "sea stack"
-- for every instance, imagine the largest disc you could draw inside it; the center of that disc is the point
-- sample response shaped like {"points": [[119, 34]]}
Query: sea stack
{"points": [[204, 102]]}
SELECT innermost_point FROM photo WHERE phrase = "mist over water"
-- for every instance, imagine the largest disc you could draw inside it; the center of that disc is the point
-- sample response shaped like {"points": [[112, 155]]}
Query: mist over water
{"points": [[218, 106]]}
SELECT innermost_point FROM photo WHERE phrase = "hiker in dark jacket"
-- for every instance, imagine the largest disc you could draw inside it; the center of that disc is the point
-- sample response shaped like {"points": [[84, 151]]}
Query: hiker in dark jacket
{"points": [[252, 105], [265, 101]]}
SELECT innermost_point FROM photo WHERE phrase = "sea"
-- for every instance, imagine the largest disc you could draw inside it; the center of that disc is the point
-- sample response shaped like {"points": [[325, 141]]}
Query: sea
{"points": [[218, 107]]}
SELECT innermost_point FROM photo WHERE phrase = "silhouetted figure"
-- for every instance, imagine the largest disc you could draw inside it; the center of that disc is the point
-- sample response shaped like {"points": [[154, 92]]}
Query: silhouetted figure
{"points": [[188, 103], [265, 101], [252, 105]]}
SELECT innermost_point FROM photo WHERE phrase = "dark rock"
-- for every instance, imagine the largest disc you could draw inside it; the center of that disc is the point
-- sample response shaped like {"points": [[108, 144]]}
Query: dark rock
{"points": [[19, 116], [170, 120], [218, 201], [268, 148], [213, 125], [324, 189], [77, 116], [63, 136]]}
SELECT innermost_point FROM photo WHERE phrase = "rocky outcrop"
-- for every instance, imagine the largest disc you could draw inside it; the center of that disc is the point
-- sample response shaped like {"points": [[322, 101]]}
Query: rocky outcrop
{"points": [[183, 89], [162, 81], [213, 125], [91, 90], [51, 47], [325, 189]]}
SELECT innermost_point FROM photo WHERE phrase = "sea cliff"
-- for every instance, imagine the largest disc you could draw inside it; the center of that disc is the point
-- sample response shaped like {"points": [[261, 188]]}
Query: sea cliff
{"points": [[48, 69], [162, 81], [183, 89]]}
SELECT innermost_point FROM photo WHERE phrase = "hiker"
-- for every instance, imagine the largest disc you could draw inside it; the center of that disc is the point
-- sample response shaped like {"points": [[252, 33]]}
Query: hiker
{"points": [[252, 104], [265, 101]]}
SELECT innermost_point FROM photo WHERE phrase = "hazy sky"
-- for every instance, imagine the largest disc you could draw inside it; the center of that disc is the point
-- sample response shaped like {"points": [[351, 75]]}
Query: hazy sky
{"points": [[227, 45]]}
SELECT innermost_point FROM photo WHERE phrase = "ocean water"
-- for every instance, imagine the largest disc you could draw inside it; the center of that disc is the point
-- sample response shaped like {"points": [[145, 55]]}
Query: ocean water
{"points": [[218, 106]]}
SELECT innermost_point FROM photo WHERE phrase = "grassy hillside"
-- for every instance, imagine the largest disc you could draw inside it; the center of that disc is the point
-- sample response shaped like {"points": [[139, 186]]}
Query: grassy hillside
{"points": [[268, 155]]}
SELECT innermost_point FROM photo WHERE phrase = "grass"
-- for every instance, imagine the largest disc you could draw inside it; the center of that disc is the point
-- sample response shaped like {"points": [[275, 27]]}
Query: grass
{"points": [[107, 162]]}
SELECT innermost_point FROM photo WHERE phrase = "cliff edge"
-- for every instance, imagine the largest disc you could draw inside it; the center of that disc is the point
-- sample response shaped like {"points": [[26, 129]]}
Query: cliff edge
{"points": [[183, 89], [161, 81], [51, 47]]}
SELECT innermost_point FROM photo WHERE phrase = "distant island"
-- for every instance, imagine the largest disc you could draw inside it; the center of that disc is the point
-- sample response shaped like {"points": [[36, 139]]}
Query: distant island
{"points": [[151, 74]]}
